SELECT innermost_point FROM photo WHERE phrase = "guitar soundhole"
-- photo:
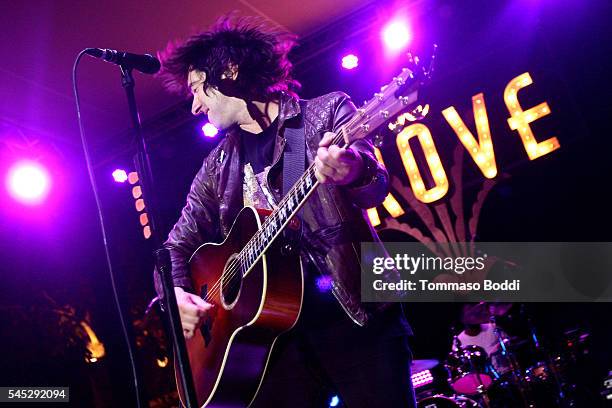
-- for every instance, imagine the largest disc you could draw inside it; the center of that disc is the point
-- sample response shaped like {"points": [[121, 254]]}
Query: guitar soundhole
{"points": [[231, 282]]}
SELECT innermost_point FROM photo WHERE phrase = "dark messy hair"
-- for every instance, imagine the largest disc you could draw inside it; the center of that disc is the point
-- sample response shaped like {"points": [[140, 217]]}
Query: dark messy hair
{"points": [[259, 53]]}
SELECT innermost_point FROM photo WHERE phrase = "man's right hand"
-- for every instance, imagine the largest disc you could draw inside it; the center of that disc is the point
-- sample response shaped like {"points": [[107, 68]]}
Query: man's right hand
{"points": [[193, 310]]}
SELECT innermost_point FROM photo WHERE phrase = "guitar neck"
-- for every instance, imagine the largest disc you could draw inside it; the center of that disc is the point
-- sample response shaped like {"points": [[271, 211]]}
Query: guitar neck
{"points": [[288, 207], [276, 222]]}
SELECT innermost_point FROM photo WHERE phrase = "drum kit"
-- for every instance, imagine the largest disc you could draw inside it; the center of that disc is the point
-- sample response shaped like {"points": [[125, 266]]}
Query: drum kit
{"points": [[498, 370]]}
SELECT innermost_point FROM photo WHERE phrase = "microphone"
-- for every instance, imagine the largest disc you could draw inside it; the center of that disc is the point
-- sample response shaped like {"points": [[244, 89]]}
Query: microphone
{"points": [[147, 64]]}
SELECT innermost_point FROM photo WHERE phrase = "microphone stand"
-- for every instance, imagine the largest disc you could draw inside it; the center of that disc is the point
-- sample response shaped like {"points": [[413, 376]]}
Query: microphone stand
{"points": [[161, 255]]}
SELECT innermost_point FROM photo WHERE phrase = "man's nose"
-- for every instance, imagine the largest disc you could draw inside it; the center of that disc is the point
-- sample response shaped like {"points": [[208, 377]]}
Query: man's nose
{"points": [[196, 107]]}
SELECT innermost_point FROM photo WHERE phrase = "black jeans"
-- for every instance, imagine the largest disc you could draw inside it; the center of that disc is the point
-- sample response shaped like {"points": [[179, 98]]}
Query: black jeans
{"points": [[327, 354]]}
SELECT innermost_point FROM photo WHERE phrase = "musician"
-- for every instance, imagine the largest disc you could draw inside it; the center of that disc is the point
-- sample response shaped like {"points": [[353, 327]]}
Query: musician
{"points": [[239, 77], [482, 335], [486, 335]]}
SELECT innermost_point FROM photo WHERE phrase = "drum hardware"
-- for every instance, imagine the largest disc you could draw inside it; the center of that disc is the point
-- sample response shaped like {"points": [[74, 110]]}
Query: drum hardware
{"points": [[442, 401], [470, 372], [544, 370], [522, 373], [481, 312]]}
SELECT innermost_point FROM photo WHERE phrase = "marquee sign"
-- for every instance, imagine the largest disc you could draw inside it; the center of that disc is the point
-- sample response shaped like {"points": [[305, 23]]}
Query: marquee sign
{"points": [[480, 148]]}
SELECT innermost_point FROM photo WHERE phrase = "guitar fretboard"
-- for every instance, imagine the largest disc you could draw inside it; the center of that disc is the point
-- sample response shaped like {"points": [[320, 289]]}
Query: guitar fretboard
{"points": [[276, 222]]}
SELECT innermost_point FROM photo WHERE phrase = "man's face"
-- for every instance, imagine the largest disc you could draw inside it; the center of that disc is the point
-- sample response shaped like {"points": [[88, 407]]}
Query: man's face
{"points": [[223, 111]]}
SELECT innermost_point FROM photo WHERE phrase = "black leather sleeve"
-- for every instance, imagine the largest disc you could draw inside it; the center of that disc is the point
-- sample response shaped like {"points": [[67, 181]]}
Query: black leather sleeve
{"points": [[373, 186], [198, 223]]}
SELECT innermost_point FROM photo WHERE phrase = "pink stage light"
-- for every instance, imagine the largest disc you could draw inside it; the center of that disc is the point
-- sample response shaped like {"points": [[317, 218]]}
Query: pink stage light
{"points": [[396, 35], [209, 130], [28, 182], [350, 61], [120, 176]]}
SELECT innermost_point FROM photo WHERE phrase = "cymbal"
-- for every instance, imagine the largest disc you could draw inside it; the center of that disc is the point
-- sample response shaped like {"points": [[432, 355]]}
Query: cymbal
{"points": [[482, 312], [421, 365]]}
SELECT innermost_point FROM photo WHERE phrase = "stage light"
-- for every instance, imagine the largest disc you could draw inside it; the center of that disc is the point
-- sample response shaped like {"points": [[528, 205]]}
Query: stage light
{"points": [[422, 378], [396, 35], [334, 401], [95, 347], [139, 203], [133, 177], [324, 283], [136, 192], [120, 176], [350, 61], [28, 182], [209, 130], [162, 362]]}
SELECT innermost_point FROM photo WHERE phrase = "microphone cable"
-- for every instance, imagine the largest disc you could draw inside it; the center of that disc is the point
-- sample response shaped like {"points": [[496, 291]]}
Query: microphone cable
{"points": [[94, 188]]}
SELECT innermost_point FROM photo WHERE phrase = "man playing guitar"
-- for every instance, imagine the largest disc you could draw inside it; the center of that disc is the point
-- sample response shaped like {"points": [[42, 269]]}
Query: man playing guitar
{"points": [[239, 76]]}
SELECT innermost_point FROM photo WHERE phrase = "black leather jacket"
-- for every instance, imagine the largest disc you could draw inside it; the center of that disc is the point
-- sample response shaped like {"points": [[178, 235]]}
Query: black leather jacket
{"points": [[334, 216]]}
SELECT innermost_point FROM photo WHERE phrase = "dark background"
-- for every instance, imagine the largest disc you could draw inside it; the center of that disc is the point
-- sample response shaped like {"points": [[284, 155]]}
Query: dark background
{"points": [[55, 261]]}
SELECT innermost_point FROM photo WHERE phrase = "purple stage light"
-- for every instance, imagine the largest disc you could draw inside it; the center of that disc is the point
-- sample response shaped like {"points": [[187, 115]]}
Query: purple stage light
{"points": [[350, 61], [396, 35], [120, 176], [28, 182], [324, 283], [209, 130]]}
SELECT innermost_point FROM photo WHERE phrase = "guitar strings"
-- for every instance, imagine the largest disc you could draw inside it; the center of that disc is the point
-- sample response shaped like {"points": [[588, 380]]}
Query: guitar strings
{"points": [[242, 260]]}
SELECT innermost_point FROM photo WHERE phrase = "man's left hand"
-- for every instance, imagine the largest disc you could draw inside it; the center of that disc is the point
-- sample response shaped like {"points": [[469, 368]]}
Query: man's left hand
{"points": [[337, 165]]}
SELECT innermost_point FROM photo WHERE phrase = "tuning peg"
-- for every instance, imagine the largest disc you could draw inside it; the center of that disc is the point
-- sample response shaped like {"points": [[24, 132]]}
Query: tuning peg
{"points": [[410, 58], [404, 100], [378, 140], [362, 113]]}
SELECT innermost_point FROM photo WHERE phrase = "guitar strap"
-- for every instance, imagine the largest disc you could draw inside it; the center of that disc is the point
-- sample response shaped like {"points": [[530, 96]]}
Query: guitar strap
{"points": [[294, 156]]}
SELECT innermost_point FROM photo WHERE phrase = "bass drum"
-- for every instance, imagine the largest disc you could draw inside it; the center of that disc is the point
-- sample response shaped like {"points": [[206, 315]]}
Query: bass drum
{"points": [[469, 370], [440, 401]]}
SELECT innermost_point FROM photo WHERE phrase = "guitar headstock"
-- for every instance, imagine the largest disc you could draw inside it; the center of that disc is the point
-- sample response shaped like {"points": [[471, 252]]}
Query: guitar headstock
{"points": [[391, 100]]}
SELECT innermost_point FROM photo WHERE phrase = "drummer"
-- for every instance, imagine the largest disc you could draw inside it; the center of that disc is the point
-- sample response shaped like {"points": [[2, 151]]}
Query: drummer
{"points": [[481, 335], [478, 332]]}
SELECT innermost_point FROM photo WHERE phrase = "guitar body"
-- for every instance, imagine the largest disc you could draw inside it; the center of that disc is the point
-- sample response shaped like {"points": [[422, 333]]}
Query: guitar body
{"points": [[229, 354]]}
